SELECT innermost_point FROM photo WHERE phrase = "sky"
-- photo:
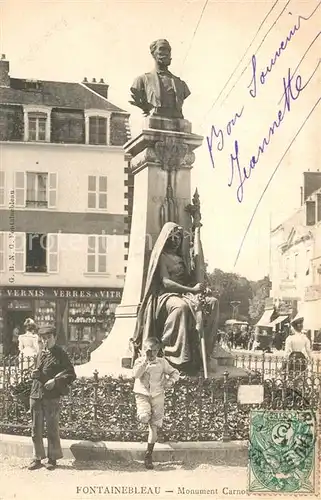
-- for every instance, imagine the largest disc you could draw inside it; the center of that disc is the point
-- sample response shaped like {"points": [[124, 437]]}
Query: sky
{"points": [[222, 49]]}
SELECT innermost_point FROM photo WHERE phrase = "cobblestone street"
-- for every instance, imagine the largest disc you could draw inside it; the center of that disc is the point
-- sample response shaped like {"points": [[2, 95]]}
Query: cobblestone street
{"points": [[77, 481]]}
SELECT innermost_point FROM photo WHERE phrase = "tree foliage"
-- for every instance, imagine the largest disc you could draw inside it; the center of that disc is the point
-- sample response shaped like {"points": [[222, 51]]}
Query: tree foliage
{"points": [[261, 290], [231, 288]]}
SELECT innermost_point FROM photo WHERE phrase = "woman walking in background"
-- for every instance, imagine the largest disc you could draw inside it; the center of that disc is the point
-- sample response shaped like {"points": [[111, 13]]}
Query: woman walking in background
{"points": [[28, 344], [297, 347]]}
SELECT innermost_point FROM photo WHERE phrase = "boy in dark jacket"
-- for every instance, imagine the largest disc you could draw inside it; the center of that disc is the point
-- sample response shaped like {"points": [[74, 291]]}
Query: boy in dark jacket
{"points": [[53, 373]]}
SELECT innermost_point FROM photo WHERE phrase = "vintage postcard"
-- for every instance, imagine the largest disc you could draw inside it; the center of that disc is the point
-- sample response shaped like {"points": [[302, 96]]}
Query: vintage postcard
{"points": [[160, 249]]}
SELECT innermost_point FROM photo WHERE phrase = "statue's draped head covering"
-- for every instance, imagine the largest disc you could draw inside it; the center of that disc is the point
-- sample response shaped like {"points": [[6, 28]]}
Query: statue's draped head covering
{"points": [[153, 45], [168, 230]]}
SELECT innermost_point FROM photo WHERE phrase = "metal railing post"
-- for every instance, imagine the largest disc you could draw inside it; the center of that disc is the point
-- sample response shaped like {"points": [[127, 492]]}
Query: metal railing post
{"points": [[95, 404], [226, 432]]}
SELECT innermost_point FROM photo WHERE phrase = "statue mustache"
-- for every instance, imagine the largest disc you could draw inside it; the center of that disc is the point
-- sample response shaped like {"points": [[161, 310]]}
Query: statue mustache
{"points": [[164, 58]]}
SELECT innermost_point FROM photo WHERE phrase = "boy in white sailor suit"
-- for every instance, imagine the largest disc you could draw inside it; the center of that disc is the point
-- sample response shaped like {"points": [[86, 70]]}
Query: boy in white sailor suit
{"points": [[152, 375]]}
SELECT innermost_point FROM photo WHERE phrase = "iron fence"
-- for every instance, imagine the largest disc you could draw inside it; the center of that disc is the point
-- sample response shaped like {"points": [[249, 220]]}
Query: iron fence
{"points": [[272, 365], [103, 408]]}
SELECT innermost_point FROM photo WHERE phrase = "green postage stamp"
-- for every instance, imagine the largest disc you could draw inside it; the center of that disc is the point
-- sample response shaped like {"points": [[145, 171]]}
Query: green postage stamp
{"points": [[283, 453]]}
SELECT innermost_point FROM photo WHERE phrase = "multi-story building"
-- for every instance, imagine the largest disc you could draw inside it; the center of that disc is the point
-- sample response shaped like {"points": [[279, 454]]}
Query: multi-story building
{"points": [[296, 258], [63, 206]]}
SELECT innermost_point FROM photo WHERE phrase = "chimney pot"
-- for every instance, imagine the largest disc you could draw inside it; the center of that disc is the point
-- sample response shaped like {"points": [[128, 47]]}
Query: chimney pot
{"points": [[85, 80], [4, 72], [98, 86]]}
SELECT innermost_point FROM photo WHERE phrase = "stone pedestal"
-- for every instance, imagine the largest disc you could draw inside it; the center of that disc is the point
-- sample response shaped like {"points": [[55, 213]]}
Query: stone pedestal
{"points": [[222, 361], [161, 160]]}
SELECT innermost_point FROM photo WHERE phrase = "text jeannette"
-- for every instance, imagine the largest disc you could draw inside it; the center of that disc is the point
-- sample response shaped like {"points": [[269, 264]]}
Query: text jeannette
{"points": [[291, 92]]}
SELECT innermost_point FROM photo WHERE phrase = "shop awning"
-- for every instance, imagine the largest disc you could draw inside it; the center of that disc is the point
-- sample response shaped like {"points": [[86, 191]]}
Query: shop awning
{"points": [[278, 320], [265, 319]]}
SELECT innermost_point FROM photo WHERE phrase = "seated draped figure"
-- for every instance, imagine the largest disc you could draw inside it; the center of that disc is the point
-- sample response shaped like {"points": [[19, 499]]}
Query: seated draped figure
{"points": [[173, 308]]}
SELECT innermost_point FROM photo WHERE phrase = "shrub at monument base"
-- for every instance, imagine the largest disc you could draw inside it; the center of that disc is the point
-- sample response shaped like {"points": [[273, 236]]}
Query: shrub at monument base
{"points": [[104, 410], [194, 410]]}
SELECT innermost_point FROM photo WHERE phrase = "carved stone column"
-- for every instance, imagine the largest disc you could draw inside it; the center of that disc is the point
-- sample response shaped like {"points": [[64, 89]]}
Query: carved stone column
{"points": [[161, 160]]}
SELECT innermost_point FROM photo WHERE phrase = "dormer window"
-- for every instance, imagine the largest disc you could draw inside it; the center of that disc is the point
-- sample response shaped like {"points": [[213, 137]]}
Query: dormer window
{"points": [[37, 123], [97, 127], [32, 85], [37, 126], [97, 130]]}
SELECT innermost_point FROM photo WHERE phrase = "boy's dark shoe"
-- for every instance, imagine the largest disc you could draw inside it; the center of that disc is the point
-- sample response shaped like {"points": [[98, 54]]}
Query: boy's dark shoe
{"points": [[51, 464], [35, 464], [148, 461]]}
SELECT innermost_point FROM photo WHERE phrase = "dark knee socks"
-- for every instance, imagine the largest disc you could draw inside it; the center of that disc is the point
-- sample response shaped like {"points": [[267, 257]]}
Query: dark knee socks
{"points": [[150, 447]]}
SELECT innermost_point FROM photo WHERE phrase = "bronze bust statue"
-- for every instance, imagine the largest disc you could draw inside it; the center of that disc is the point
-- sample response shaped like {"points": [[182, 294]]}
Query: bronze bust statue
{"points": [[160, 93]]}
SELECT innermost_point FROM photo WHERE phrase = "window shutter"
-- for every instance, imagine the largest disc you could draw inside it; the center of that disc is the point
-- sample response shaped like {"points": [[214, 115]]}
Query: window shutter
{"points": [[52, 253], [102, 202], [92, 129], [102, 254], [20, 252], [2, 188], [52, 190], [91, 254], [20, 191], [91, 191]]}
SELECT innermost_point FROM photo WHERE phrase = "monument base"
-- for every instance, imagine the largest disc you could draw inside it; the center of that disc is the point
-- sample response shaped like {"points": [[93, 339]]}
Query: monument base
{"points": [[105, 359], [220, 361], [173, 124]]}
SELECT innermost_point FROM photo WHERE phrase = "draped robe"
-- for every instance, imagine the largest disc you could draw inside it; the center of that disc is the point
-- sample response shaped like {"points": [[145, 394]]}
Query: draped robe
{"points": [[174, 318]]}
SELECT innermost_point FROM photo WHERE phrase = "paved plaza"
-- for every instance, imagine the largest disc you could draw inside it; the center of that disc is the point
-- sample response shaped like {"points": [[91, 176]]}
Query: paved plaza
{"points": [[95, 480], [77, 481]]}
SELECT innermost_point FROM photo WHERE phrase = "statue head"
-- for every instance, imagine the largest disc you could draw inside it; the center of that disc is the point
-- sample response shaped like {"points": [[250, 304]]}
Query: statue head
{"points": [[161, 52], [175, 239]]}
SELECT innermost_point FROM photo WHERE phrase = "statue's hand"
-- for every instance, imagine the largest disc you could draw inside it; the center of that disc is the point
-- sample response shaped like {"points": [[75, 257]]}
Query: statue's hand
{"points": [[197, 219], [198, 288]]}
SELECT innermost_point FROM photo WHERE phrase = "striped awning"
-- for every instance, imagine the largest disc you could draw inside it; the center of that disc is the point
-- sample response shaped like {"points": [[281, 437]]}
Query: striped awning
{"points": [[278, 320], [265, 319]]}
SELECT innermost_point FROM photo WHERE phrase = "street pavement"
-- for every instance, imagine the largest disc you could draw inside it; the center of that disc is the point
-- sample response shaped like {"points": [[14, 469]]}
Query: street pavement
{"points": [[102, 480], [77, 481]]}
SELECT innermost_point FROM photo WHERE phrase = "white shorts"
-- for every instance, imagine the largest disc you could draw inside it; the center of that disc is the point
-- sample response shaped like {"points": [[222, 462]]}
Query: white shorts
{"points": [[150, 409]]}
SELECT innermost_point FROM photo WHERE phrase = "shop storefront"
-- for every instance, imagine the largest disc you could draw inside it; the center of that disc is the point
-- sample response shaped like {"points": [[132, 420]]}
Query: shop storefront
{"points": [[311, 310], [80, 315]]}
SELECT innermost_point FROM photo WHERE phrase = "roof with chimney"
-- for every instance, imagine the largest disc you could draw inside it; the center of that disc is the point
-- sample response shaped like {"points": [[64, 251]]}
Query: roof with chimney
{"points": [[85, 95], [54, 94]]}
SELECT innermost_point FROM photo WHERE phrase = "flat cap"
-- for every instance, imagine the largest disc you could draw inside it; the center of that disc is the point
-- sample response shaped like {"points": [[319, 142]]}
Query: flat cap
{"points": [[46, 330]]}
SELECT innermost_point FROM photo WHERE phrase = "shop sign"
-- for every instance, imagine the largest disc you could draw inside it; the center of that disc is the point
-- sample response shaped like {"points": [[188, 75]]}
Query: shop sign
{"points": [[21, 305], [269, 303], [287, 285], [66, 293], [287, 306], [312, 292]]}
